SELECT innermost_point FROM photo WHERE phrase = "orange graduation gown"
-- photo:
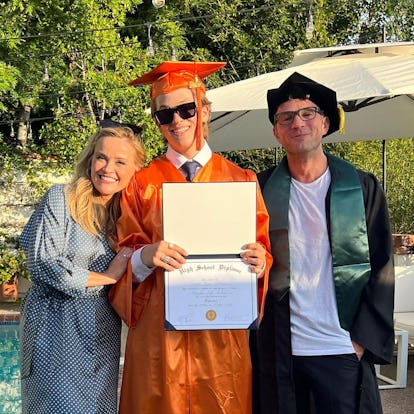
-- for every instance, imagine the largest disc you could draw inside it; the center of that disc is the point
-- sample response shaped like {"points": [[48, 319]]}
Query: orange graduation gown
{"points": [[178, 372]]}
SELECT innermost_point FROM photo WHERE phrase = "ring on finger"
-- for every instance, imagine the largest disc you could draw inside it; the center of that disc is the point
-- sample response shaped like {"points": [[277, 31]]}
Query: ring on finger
{"points": [[165, 259]]}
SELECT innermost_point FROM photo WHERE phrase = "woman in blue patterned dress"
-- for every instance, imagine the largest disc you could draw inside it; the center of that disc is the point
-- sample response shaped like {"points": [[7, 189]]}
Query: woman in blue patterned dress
{"points": [[70, 338]]}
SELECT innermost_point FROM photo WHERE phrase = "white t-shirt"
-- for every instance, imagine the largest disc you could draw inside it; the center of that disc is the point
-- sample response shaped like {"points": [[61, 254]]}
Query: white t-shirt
{"points": [[314, 318]]}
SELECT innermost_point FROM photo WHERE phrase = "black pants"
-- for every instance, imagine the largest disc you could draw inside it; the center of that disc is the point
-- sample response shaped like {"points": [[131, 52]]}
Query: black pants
{"points": [[327, 384]]}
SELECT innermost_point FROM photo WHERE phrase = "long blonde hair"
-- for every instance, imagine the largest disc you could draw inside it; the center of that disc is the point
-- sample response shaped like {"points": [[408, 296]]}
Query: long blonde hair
{"points": [[84, 201]]}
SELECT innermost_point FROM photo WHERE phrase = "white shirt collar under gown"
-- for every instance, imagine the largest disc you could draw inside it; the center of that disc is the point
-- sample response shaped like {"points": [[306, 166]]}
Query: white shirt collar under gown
{"points": [[177, 159]]}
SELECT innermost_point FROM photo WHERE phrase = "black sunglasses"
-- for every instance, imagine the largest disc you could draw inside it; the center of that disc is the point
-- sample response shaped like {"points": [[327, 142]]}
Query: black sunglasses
{"points": [[166, 116]]}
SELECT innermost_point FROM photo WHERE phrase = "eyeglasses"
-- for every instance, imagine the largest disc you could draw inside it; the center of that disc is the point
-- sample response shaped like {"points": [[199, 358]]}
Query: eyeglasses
{"points": [[305, 114], [166, 116]]}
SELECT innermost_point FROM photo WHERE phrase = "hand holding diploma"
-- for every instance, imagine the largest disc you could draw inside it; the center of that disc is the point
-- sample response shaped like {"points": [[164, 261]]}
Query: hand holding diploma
{"points": [[169, 256], [255, 255]]}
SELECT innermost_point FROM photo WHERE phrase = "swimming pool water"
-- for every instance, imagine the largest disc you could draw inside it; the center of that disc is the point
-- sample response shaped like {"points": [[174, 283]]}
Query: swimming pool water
{"points": [[10, 401]]}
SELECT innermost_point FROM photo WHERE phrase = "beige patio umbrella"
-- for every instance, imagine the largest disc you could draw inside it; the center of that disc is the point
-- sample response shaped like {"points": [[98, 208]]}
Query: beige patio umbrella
{"points": [[374, 83]]}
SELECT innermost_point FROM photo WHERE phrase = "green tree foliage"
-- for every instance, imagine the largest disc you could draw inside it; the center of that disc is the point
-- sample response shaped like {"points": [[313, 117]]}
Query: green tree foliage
{"points": [[74, 67], [391, 20], [400, 184], [398, 168], [65, 64], [8, 80], [254, 37]]}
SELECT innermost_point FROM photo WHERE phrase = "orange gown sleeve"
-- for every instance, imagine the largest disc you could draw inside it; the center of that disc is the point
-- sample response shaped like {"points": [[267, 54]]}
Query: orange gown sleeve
{"points": [[126, 297]]}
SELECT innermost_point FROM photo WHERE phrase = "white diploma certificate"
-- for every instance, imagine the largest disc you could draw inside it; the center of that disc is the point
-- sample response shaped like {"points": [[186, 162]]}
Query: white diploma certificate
{"points": [[211, 221], [211, 294]]}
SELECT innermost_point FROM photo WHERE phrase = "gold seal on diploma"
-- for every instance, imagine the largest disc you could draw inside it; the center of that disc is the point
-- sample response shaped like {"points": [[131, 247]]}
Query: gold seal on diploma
{"points": [[211, 315]]}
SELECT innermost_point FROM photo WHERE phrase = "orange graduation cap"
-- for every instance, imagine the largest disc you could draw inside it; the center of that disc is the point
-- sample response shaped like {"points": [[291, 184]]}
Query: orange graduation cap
{"points": [[169, 76]]}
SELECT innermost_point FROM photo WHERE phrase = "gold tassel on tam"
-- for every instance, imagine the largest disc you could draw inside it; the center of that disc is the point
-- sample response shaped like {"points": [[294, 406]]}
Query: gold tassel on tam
{"points": [[341, 113], [196, 85]]}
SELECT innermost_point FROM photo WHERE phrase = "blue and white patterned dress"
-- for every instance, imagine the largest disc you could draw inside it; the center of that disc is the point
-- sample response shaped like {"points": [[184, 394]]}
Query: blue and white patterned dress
{"points": [[70, 339]]}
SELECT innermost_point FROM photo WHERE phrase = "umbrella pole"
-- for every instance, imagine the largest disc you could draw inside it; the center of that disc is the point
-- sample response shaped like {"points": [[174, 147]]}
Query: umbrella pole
{"points": [[384, 165]]}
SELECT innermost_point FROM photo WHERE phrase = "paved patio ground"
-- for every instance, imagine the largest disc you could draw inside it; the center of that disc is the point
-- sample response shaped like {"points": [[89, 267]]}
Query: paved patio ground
{"points": [[399, 401]]}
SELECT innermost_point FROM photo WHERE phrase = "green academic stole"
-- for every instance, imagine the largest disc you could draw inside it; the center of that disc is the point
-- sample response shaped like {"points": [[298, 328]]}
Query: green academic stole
{"points": [[348, 235]]}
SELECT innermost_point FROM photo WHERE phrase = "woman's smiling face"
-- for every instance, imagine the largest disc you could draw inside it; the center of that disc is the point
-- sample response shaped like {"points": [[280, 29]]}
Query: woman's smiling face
{"points": [[113, 165]]}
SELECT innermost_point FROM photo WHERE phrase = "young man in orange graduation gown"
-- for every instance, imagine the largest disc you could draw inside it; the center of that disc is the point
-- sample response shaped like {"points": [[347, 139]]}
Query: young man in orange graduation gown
{"points": [[177, 372]]}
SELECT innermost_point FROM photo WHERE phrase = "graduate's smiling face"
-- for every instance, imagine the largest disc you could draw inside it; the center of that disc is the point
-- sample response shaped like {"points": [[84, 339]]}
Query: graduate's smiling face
{"points": [[180, 133], [113, 165], [300, 136]]}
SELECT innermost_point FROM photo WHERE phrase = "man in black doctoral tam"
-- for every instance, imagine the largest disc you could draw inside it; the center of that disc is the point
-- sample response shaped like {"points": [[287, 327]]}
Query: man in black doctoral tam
{"points": [[329, 309]]}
